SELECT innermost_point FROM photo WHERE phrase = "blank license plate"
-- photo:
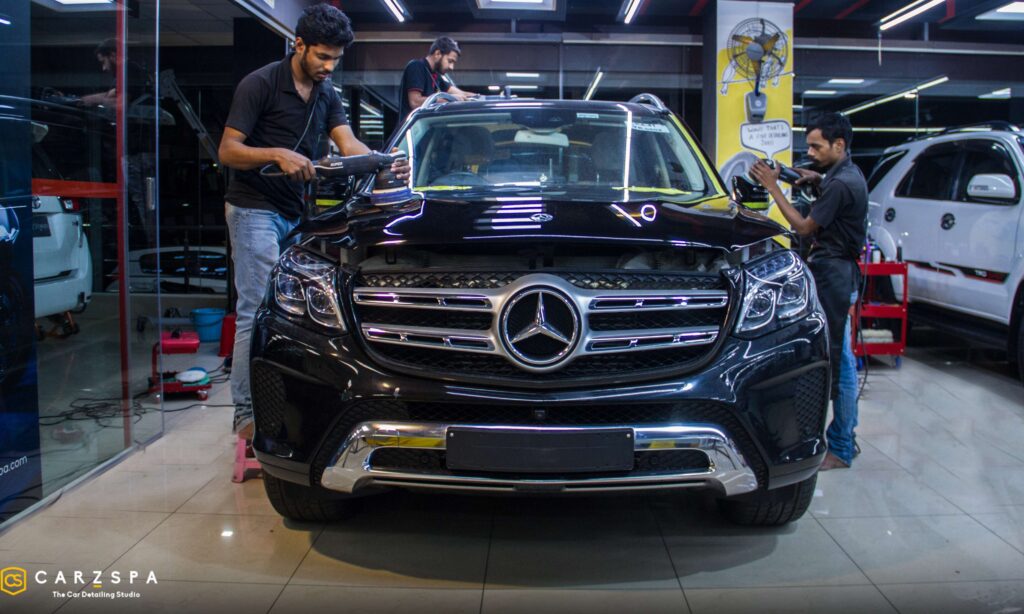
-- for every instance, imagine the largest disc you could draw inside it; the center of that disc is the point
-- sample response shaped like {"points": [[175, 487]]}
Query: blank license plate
{"points": [[532, 451]]}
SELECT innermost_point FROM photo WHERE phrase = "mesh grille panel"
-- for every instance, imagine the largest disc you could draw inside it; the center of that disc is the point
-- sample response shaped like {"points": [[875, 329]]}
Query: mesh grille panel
{"points": [[637, 320], [616, 280], [269, 400], [434, 318], [811, 402], [433, 461]]}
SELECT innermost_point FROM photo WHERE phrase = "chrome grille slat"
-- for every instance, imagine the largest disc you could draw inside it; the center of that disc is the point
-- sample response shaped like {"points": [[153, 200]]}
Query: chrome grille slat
{"points": [[430, 299], [641, 340], [660, 301], [437, 338], [627, 335]]}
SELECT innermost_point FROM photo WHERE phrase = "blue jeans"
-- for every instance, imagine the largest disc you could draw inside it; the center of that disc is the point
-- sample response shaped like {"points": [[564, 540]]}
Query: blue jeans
{"points": [[257, 239], [841, 438]]}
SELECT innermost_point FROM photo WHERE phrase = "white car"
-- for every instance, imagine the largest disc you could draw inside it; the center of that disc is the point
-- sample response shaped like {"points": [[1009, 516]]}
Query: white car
{"points": [[950, 206], [180, 270], [62, 265]]}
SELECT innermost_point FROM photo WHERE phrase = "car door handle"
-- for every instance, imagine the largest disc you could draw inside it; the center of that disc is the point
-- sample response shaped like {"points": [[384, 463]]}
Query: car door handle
{"points": [[948, 221]]}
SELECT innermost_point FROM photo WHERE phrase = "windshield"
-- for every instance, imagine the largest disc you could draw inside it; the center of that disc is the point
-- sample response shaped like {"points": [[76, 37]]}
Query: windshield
{"points": [[555, 149]]}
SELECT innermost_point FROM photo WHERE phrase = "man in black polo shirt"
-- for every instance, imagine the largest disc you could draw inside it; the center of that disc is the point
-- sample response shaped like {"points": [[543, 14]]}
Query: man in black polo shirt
{"points": [[429, 75], [279, 116], [837, 224]]}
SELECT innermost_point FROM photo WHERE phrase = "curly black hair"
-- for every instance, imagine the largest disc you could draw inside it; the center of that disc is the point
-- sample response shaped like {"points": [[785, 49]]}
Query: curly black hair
{"points": [[445, 45], [323, 24], [833, 126]]}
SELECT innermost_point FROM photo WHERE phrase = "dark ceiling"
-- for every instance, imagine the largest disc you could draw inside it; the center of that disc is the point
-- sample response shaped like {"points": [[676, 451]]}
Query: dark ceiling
{"points": [[954, 20]]}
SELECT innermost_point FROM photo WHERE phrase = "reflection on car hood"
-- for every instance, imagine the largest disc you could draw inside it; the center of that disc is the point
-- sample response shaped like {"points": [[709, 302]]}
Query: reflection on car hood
{"points": [[447, 219]]}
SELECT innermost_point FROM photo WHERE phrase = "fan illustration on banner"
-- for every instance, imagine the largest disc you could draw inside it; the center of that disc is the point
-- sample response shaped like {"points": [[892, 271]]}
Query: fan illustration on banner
{"points": [[758, 50]]}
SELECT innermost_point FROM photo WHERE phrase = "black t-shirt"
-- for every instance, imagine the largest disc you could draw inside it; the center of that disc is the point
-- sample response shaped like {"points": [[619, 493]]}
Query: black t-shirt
{"points": [[269, 111], [418, 76], [841, 210]]}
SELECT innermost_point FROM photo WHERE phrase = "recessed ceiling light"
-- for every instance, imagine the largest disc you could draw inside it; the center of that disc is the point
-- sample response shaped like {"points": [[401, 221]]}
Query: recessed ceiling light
{"points": [[517, 5], [523, 75], [845, 81], [1013, 11], [798, 107], [819, 92], [494, 88], [84, 1]]}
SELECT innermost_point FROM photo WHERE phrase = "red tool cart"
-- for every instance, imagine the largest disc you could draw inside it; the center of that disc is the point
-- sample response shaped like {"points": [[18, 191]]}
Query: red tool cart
{"points": [[178, 342], [890, 340]]}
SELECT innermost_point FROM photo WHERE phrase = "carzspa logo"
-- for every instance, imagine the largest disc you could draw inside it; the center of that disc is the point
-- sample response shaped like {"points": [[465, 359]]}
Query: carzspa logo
{"points": [[76, 584]]}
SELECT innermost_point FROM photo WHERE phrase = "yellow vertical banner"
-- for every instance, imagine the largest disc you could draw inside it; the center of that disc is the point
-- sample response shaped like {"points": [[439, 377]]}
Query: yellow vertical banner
{"points": [[753, 44]]}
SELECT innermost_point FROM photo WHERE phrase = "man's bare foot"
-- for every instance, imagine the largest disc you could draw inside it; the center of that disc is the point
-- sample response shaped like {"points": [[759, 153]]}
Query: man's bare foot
{"points": [[247, 431], [832, 462]]}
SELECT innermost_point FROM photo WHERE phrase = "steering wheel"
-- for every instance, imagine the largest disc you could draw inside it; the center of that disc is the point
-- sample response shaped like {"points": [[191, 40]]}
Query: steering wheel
{"points": [[460, 178]]}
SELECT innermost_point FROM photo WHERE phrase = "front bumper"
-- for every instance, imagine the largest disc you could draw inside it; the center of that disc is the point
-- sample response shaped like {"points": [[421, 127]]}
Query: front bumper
{"points": [[352, 469], [754, 417]]}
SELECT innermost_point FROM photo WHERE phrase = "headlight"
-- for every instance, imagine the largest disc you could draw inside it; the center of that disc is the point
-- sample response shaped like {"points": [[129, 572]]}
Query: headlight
{"points": [[304, 285], [778, 290]]}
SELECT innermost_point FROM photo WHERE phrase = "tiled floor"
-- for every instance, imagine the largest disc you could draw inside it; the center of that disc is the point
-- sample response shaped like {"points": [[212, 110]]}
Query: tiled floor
{"points": [[929, 519]]}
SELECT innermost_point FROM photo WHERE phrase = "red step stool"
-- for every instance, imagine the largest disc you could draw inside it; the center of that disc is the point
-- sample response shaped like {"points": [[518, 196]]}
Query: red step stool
{"points": [[182, 342]]}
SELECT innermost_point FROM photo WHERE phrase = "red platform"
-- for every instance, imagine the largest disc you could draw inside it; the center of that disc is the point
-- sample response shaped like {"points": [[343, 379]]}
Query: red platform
{"points": [[872, 310], [184, 342]]}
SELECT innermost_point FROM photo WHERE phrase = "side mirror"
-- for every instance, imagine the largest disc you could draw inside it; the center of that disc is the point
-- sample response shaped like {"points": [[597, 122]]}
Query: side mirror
{"points": [[994, 187], [749, 194]]}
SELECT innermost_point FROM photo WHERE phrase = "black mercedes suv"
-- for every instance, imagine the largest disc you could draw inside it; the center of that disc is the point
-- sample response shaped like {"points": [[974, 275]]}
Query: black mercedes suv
{"points": [[567, 302]]}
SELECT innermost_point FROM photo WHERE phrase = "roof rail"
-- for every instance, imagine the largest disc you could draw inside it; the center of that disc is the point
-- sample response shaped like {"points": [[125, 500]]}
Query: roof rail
{"points": [[651, 100], [437, 98], [993, 126]]}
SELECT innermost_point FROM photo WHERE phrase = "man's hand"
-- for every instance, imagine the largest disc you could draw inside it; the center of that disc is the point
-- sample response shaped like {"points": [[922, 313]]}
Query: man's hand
{"points": [[807, 176], [297, 166], [401, 168], [766, 175]]}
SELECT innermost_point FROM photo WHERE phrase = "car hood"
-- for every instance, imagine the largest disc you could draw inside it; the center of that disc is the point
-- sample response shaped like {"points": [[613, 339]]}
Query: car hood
{"points": [[715, 222]]}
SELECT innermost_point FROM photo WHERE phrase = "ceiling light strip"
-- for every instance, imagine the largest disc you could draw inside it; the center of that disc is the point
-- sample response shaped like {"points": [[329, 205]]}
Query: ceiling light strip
{"points": [[397, 10], [629, 9], [909, 15], [593, 84], [891, 97]]}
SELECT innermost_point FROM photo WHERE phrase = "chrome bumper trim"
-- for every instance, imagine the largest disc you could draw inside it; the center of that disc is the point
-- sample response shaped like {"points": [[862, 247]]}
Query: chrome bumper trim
{"points": [[350, 469]]}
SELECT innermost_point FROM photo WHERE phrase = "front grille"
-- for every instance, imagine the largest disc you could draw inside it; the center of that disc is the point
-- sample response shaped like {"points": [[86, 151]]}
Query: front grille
{"points": [[433, 462], [690, 412], [454, 325]]}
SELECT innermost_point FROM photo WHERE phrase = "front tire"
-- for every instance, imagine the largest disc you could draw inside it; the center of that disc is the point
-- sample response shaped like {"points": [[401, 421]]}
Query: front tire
{"points": [[770, 508], [305, 503]]}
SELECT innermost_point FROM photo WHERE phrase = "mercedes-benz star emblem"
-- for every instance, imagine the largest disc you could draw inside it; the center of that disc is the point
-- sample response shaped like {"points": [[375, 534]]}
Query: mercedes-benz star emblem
{"points": [[540, 327], [541, 217]]}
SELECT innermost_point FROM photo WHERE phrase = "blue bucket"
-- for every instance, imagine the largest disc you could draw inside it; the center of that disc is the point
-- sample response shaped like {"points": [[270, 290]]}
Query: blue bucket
{"points": [[208, 322]]}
